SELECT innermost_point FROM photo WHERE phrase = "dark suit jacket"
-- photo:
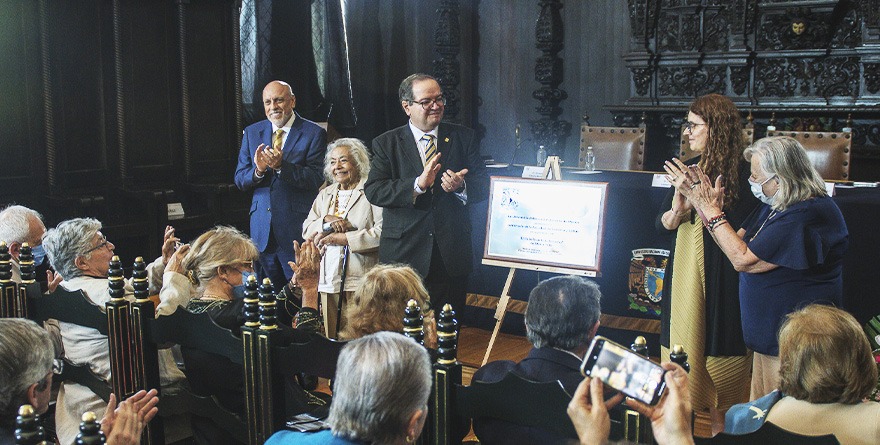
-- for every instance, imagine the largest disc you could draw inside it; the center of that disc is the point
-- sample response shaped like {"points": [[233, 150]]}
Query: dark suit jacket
{"points": [[409, 229], [282, 201], [541, 365]]}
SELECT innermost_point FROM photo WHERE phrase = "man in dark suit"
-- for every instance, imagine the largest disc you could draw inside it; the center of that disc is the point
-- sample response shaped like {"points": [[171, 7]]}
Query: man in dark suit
{"points": [[425, 175], [282, 161], [561, 321]]}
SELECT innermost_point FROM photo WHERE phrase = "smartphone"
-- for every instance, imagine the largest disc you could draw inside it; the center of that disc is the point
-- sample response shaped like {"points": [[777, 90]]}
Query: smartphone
{"points": [[624, 370]]}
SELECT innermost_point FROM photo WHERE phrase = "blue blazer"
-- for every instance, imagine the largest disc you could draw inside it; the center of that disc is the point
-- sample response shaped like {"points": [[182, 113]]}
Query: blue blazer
{"points": [[282, 199]]}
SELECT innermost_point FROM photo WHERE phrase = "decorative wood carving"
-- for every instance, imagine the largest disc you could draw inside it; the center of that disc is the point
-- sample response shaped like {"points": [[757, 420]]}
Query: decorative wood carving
{"points": [[549, 130], [822, 56], [447, 44]]}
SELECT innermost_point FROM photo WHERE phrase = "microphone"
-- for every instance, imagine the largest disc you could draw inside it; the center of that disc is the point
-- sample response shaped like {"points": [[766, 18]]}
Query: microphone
{"points": [[518, 137]]}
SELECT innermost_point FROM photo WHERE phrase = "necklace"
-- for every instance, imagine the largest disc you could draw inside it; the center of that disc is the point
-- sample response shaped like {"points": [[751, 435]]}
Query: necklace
{"points": [[211, 297], [772, 213], [336, 202]]}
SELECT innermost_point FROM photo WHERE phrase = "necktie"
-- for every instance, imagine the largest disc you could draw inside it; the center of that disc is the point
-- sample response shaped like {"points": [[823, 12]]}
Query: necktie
{"points": [[430, 147], [277, 137]]}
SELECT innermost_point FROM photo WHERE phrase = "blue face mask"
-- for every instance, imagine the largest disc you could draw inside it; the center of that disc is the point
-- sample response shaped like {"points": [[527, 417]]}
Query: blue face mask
{"points": [[39, 255], [238, 291]]}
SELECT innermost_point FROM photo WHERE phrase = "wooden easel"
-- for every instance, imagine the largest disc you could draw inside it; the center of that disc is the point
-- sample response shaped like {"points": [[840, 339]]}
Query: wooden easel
{"points": [[551, 167]]}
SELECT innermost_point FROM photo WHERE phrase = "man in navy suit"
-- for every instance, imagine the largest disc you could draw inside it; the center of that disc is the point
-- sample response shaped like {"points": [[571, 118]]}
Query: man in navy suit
{"points": [[561, 321], [425, 175], [281, 161]]}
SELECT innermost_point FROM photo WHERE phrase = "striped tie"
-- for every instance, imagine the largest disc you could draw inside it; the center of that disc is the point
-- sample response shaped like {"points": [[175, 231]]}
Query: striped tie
{"points": [[430, 147], [277, 138]]}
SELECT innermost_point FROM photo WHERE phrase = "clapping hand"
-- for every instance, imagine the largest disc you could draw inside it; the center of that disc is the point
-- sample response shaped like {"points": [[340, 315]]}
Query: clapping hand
{"points": [[453, 182], [124, 424], [429, 174], [169, 244]]}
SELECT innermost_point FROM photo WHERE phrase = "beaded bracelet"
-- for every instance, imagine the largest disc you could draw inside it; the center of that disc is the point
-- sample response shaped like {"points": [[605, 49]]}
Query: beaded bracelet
{"points": [[717, 224], [716, 220]]}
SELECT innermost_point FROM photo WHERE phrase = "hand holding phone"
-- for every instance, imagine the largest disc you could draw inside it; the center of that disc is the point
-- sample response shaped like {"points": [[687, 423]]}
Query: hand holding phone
{"points": [[624, 370]]}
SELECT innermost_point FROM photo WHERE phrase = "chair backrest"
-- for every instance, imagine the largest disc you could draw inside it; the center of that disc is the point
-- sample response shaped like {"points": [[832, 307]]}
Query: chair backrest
{"points": [[686, 153], [268, 361], [770, 433], [75, 308], [615, 148], [829, 151], [520, 401]]}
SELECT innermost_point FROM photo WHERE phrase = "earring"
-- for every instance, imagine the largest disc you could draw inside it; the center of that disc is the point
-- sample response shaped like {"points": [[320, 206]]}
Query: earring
{"points": [[409, 439]]}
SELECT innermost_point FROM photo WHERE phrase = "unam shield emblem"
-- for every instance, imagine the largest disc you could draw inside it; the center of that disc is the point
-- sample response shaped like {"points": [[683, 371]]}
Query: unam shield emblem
{"points": [[646, 271]]}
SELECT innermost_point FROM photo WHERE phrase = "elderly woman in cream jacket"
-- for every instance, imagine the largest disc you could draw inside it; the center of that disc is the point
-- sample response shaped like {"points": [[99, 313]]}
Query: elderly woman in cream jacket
{"points": [[345, 225]]}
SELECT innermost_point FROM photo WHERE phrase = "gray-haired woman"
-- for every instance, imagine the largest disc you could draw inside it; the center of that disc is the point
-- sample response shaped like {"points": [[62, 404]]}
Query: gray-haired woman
{"points": [[342, 220], [380, 394], [789, 252]]}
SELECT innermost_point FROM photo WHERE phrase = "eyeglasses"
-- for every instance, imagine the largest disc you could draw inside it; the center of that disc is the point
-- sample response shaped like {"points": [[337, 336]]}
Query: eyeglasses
{"points": [[103, 243], [247, 263], [689, 126], [428, 103]]}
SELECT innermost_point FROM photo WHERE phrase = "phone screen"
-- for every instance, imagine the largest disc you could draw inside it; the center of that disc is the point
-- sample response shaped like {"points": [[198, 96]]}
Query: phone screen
{"points": [[624, 370]]}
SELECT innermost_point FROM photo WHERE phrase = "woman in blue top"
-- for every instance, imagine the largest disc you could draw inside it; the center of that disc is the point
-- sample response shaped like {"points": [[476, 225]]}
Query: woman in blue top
{"points": [[380, 395], [789, 252]]}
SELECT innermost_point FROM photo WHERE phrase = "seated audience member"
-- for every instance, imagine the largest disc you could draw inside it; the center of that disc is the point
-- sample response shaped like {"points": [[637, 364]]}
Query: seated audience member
{"points": [[26, 354], [670, 418], [379, 303], [19, 225], [81, 255], [826, 372], [213, 272], [380, 394], [342, 217], [561, 320]]}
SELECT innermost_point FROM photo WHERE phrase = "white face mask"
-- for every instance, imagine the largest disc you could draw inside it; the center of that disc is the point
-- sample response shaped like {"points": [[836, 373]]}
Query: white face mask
{"points": [[758, 191]]}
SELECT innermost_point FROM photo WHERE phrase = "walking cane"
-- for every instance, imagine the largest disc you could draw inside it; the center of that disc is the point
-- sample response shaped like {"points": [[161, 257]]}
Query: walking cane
{"points": [[341, 291]]}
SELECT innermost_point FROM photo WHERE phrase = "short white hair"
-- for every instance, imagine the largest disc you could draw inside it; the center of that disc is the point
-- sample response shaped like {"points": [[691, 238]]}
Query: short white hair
{"points": [[71, 239], [15, 224], [381, 380], [359, 157]]}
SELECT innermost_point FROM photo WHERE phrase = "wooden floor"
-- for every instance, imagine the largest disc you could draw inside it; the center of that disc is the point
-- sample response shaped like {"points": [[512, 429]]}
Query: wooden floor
{"points": [[472, 344]]}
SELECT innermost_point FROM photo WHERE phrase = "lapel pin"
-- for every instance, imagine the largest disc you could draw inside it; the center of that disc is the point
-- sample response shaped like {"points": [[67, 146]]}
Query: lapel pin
{"points": [[445, 139]]}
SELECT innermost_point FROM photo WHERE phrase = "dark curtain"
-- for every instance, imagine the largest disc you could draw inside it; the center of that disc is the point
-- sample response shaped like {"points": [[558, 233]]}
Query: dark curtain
{"points": [[283, 48], [386, 41], [379, 58], [332, 52]]}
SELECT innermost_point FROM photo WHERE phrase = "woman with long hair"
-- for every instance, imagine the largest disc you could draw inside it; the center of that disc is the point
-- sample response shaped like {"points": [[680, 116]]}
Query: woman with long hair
{"points": [[700, 305]]}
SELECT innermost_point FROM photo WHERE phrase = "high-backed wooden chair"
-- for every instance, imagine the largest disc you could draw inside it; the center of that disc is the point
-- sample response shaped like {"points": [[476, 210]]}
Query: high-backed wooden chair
{"points": [[268, 362], [615, 148], [13, 296], [829, 151]]}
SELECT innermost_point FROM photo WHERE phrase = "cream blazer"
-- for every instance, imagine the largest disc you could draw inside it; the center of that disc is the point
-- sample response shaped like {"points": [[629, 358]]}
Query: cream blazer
{"points": [[363, 242]]}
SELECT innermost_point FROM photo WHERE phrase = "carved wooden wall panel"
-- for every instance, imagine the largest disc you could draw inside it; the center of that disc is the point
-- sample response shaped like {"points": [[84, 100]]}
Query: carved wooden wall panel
{"points": [[814, 63]]}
